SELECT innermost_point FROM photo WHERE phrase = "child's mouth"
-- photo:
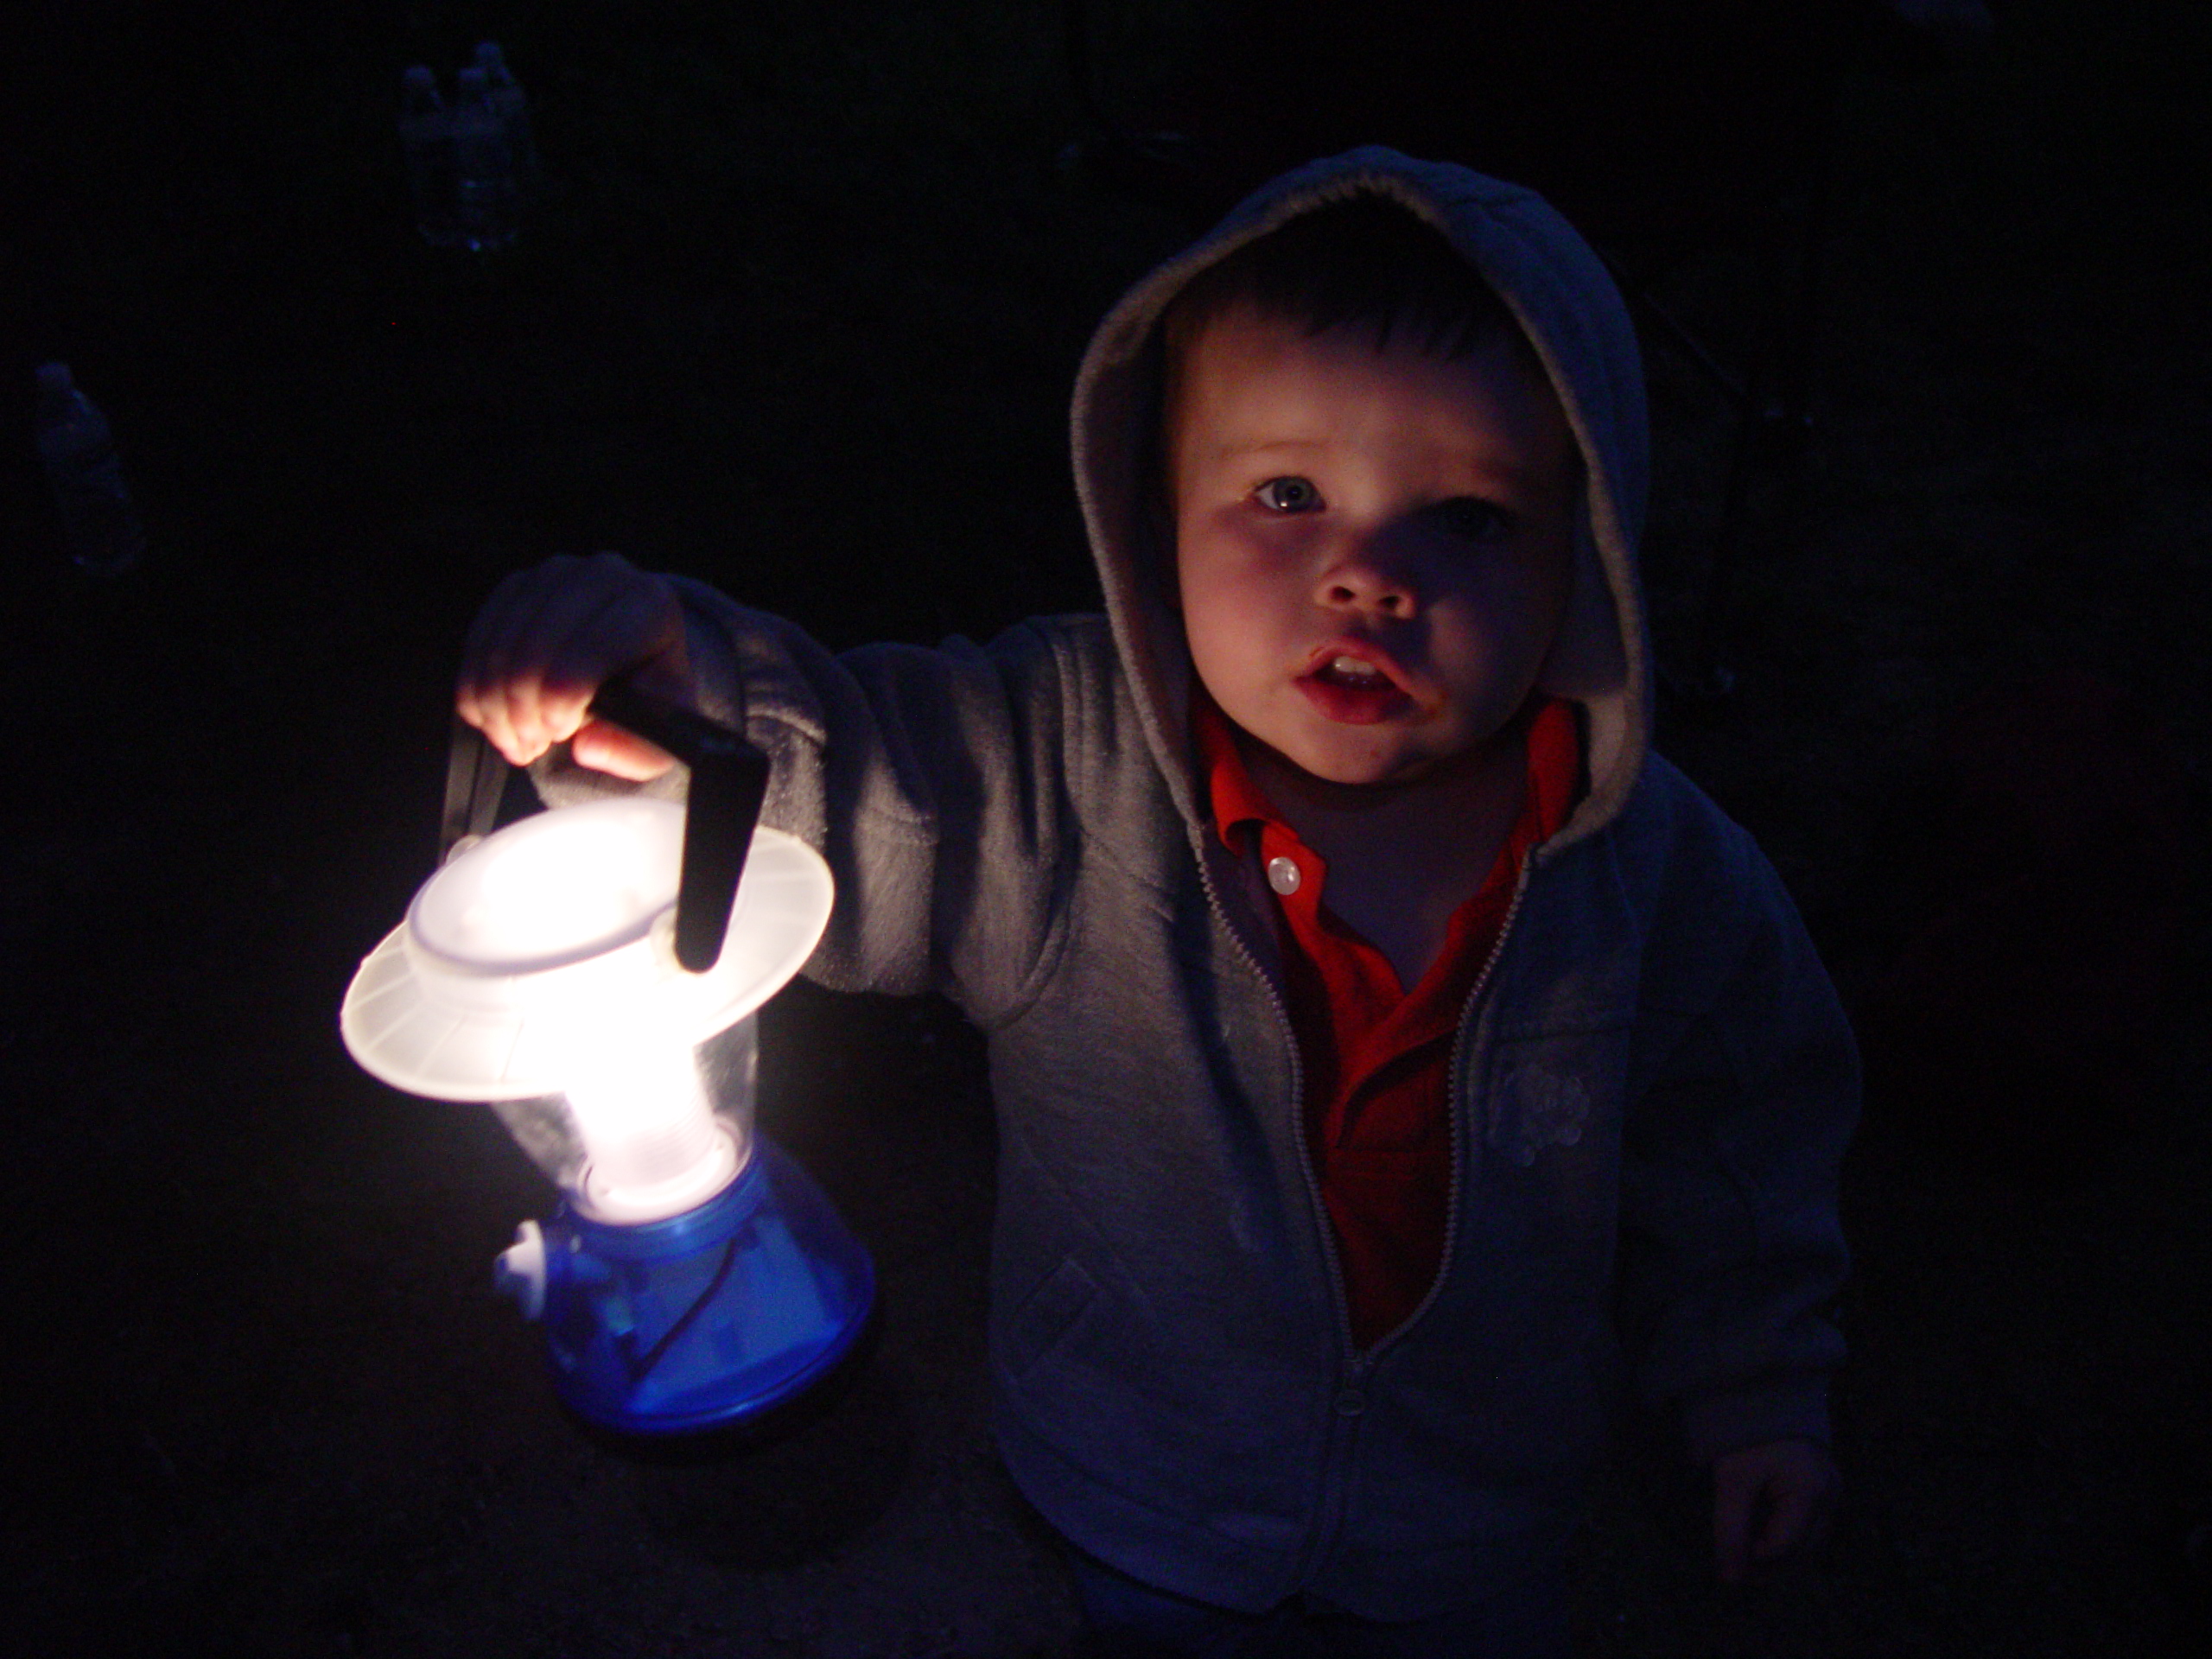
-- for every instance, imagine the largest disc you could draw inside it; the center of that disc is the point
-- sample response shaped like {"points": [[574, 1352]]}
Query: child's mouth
{"points": [[1352, 691]]}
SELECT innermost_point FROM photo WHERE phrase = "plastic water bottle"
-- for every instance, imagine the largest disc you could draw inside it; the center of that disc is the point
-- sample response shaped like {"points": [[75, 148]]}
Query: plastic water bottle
{"points": [[486, 194], [426, 139], [78, 452], [513, 108]]}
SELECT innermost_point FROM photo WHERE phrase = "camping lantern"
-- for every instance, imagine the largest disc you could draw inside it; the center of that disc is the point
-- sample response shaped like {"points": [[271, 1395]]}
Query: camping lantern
{"points": [[573, 964]]}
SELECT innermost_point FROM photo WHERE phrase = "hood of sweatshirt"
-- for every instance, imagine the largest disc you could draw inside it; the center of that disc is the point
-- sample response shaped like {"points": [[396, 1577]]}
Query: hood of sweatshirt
{"points": [[1572, 313]]}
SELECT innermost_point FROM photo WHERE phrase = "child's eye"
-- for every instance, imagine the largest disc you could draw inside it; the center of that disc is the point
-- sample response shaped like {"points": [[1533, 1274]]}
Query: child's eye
{"points": [[1469, 516], [1287, 495]]}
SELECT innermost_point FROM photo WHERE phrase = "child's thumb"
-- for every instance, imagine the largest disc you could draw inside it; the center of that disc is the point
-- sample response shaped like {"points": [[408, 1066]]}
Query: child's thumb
{"points": [[618, 753]]}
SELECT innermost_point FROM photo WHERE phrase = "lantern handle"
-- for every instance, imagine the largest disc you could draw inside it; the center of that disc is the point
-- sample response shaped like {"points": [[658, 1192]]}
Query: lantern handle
{"points": [[476, 782], [729, 781]]}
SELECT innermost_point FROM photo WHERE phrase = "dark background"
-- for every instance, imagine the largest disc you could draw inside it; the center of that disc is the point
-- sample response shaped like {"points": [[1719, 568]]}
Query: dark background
{"points": [[800, 317]]}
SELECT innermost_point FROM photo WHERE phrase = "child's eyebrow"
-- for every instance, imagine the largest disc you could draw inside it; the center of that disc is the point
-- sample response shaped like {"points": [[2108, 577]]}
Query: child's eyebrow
{"points": [[1233, 448], [1478, 473]]}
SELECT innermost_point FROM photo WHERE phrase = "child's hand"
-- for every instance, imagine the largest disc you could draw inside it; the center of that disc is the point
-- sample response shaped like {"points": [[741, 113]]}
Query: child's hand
{"points": [[1769, 1500], [548, 638]]}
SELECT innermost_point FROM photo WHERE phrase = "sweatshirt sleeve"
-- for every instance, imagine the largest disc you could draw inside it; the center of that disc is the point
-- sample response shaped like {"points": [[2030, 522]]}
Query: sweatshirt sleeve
{"points": [[1732, 1253], [930, 780]]}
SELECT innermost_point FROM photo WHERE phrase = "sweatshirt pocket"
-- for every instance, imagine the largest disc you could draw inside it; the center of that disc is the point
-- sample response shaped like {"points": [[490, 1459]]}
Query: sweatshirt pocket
{"points": [[1047, 1315]]}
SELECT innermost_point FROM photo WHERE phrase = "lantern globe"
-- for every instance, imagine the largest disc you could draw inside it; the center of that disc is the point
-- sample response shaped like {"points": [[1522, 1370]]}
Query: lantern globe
{"points": [[523, 957]]}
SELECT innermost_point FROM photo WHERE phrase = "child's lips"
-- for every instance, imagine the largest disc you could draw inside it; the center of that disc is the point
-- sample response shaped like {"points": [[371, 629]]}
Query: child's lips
{"points": [[1352, 682]]}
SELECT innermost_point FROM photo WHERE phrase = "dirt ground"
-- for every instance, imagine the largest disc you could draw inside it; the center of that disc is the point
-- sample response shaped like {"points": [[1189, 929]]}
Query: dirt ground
{"points": [[800, 316]]}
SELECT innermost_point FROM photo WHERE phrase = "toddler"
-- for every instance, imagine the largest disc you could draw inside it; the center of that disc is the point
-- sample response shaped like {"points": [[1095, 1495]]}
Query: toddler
{"points": [[1399, 1068]]}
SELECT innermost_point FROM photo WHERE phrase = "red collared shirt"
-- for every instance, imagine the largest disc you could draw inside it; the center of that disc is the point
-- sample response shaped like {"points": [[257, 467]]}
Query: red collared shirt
{"points": [[1376, 1055]]}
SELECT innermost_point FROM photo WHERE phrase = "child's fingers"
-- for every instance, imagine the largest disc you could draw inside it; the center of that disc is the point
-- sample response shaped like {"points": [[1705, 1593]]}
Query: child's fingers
{"points": [[1767, 1501], [478, 693], [555, 654], [1734, 1493], [548, 638], [639, 625], [499, 689], [1788, 1510]]}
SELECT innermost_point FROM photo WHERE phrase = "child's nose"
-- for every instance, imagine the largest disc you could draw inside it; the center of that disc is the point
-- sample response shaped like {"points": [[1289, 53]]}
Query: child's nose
{"points": [[1370, 577]]}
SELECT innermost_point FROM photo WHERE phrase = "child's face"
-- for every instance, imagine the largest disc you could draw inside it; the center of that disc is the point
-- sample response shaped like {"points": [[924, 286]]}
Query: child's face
{"points": [[1373, 548]]}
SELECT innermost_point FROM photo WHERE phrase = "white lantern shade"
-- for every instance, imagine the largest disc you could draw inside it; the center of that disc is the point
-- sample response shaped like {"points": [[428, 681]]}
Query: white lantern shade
{"points": [[534, 950]]}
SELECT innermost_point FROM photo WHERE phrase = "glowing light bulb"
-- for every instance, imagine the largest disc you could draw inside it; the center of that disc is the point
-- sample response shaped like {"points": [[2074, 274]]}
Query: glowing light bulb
{"points": [[652, 1143]]}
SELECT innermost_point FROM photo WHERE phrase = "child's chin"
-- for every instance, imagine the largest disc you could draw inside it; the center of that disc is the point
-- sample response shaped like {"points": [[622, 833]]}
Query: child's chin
{"points": [[1350, 772]]}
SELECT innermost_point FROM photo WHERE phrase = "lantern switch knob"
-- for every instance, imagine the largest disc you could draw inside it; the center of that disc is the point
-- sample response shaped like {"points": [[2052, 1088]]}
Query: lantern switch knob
{"points": [[520, 1270]]}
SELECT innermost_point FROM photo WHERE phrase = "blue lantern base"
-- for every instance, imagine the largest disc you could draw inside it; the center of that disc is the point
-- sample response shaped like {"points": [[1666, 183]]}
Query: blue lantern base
{"points": [[708, 1319]]}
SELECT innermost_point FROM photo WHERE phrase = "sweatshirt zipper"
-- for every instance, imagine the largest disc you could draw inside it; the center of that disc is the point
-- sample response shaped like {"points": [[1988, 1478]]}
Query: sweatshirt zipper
{"points": [[1359, 1364], [1356, 1365], [1455, 1076], [1297, 1107]]}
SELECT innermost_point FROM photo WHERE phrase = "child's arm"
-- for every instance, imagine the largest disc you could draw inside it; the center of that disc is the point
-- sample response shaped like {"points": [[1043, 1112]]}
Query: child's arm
{"points": [[933, 781], [1731, 1250]]}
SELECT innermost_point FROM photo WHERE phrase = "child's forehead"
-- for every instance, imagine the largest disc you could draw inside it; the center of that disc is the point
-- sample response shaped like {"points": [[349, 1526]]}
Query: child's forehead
{"points": [[1248, 380]]}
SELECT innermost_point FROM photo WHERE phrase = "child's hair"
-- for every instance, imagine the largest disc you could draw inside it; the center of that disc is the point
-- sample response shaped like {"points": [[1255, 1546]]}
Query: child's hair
{"points": [[1365, 261]]}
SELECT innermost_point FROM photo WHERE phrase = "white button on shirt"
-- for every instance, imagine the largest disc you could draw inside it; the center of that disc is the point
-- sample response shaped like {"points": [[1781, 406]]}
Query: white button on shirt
{"points": [[1282, 875]]}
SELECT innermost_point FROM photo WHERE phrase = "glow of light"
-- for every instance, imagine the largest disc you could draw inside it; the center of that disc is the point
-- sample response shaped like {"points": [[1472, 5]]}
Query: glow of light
{"points": [[561, 924], [648, 1129], [560, 887]]}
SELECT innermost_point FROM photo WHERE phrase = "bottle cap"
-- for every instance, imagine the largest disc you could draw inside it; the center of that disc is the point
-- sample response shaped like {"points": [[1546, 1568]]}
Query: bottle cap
{"points": [[473, 80], [489, 56], [55, 379], [419, 80]]}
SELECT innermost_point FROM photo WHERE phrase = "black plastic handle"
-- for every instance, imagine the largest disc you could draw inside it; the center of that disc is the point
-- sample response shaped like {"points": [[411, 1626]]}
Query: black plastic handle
{"points": [[730, 780], [476, 782]]}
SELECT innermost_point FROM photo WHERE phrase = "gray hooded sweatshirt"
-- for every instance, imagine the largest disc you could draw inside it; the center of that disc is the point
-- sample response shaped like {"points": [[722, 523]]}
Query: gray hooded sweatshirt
{"points": [[1649, 1091]]}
